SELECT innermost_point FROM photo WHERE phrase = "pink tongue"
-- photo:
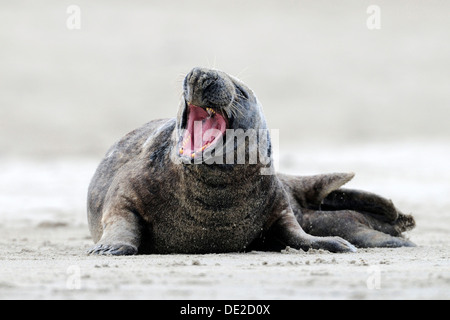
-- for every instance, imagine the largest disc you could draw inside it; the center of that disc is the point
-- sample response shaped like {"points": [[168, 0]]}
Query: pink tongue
{"points": [[202, 129]]}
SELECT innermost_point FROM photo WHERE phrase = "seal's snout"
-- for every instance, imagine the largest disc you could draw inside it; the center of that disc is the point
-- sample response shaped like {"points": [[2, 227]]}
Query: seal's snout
{"points": [[209, 96], [213, 103], [208, 88]]}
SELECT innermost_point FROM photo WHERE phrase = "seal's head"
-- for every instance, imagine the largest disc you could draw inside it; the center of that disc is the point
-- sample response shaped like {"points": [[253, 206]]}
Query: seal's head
{"points": [[212, 103]]}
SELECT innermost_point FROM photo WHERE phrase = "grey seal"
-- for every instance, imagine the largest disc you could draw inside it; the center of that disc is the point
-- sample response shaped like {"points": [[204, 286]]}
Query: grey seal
{"points": [[171, 186]]}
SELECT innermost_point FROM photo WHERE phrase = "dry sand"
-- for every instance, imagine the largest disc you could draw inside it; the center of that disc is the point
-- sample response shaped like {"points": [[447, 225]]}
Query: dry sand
{"points": [[345, 98], [45, 235]]}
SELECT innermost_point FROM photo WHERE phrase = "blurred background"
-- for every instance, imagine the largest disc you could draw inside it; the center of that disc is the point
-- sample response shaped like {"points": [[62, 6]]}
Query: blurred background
{"points": [[343, 96], [321, 74]]}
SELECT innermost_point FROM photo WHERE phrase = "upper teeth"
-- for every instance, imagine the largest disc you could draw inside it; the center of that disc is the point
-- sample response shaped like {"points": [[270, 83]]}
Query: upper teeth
{"points": [[210, 111]]}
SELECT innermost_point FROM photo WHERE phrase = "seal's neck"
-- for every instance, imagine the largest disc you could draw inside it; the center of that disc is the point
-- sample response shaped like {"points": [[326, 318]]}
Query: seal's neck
{"points": [[226, 191], [222, 175]]}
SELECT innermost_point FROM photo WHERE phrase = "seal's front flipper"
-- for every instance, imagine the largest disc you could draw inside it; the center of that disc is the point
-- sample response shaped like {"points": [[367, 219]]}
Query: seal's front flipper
{"points": [[121, 234], [116, 249], [288, 231]]}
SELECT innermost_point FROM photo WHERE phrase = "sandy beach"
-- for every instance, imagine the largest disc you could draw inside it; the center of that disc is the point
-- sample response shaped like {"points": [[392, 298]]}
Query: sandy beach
{"points": [[344, 99], [43, 247]]}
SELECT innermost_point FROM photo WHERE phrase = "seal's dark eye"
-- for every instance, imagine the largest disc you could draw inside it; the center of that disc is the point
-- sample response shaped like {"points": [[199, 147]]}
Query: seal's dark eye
{"points": [[241, 92]]}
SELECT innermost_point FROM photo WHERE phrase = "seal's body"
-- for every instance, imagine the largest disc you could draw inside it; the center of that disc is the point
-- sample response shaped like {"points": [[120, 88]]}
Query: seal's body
{"points": [[171, 186]]}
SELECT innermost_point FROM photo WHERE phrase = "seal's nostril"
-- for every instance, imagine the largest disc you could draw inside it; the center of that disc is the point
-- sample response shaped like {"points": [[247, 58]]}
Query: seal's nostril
{"points": [[207, 83]]}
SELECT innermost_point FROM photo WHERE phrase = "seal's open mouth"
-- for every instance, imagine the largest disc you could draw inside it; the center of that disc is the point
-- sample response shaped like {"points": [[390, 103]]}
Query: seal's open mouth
{"points": [[204, 128]]}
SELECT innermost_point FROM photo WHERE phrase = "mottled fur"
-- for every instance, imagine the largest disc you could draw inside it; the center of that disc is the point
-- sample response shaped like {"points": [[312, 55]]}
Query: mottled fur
{"points": [[146, 198]]}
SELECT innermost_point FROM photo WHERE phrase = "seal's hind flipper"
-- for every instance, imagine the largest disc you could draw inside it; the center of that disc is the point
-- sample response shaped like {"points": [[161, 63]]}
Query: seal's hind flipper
{"points": [[361, 201], [310, 191], [361, 230], [381, 212], [365, 219], [323, 192]]}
